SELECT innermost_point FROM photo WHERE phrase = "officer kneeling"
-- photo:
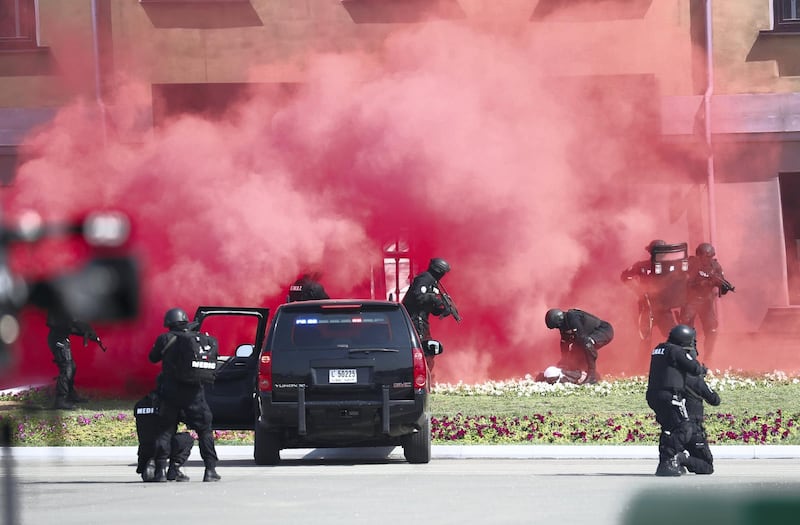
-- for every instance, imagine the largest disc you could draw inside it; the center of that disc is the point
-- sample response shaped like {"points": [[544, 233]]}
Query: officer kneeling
{"points": [[146, 412], [666, 391]]}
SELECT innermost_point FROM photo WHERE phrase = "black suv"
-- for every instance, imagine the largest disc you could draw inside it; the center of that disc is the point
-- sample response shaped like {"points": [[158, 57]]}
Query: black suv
{"points": [[332, 373]]}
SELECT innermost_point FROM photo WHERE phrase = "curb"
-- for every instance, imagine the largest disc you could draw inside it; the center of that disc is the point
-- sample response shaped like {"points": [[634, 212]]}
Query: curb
{"points": [[242, 452]]}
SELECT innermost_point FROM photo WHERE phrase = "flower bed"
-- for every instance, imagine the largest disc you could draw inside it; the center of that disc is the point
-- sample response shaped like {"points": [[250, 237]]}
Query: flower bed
{"points": [[771, 428], [774, 426]]}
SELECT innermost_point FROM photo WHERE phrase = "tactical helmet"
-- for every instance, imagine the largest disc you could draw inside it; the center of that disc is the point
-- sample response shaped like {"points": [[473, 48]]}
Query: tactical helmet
{"points": [[705, 249], [554, 318], [682, 335], [654, 243], [175, 316], [438, 267]]}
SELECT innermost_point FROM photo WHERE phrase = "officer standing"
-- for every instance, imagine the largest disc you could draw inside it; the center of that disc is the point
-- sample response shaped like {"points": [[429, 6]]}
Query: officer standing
{"points": [[670, 362], [706, 281], [582, 335], [62, 326], [307, 288], [146, 412], [177, 397], [652, 289], [423, 298]]}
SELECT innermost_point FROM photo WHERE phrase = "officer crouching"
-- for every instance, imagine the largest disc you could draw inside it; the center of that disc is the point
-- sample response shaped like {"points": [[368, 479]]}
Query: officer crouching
{"points": [[146, 412]]}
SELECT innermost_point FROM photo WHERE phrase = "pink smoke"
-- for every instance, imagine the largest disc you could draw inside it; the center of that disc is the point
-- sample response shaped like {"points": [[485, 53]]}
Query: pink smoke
{"points": [[471, 143]]}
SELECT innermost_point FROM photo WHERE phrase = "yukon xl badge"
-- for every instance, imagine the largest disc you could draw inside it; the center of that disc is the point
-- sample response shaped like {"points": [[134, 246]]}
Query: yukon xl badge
{"points": [[405, 384]]}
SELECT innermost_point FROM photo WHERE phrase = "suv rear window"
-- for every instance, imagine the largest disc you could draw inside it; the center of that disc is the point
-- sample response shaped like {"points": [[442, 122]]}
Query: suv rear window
{"points": [[337, 329]]}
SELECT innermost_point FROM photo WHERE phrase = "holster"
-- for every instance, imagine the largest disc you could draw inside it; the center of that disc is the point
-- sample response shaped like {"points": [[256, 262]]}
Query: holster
{"points": [[680, 402], [62, 352]]}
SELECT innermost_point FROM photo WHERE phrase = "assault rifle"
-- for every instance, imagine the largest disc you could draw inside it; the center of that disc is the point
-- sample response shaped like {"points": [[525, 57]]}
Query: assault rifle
{"points": [[89, 334], [450, 306], [724, 285], [718, 280], [96, 339], [101, 345]]}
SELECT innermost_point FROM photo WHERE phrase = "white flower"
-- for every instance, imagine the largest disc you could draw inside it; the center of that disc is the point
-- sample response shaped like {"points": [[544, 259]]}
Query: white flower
{"points": [[527, 387]]}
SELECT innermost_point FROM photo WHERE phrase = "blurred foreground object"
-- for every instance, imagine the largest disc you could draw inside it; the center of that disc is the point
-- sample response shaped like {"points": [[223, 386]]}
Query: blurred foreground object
{"points": [[104, 289], [742, 505]]}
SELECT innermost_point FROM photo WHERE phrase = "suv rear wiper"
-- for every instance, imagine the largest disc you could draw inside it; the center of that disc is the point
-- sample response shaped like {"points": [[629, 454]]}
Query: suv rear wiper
{"points": [[368, 350]]}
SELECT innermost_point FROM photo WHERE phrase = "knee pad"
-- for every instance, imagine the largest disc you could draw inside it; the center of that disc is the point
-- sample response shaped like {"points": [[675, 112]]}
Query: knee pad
{"points": [[682, 435], [704, 453], [666, 446]]}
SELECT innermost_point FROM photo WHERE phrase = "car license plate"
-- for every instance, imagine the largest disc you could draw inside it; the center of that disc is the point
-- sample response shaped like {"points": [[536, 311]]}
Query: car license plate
{"points": [[342, 375]]}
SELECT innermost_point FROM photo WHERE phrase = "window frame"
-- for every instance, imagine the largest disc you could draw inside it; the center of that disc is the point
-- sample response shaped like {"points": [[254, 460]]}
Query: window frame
{"points": [[785, 25], [25, 37]]}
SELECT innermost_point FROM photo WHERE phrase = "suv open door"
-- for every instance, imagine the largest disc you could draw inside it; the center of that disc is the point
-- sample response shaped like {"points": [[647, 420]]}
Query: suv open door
{"points": [[240, 331]]}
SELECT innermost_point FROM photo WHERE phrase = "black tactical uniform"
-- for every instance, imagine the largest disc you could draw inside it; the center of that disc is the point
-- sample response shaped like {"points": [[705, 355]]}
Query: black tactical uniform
{"points": [[423, 298], [700, 460], [582, 335], [146, 412], [658, 290], [705, 278], [62, 327], [307, 288], [666, 387], [178, 397]]}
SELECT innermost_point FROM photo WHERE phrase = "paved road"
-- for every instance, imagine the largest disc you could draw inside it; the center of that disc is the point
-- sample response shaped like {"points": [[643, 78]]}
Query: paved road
{"points": [[461, 485]]}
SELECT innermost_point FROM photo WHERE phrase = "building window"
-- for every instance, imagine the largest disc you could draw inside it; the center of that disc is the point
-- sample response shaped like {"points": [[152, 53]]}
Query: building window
{"points": [[787, 15], [17, 24], [589, 10]]}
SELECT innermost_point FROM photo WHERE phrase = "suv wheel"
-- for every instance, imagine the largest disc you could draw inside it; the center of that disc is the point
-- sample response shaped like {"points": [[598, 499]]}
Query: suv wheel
{"points": [[417, 446], [267, 449]]}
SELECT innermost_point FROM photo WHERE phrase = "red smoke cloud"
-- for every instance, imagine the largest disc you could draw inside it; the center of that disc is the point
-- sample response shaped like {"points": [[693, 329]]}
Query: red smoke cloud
{"points": [[468, 142]]}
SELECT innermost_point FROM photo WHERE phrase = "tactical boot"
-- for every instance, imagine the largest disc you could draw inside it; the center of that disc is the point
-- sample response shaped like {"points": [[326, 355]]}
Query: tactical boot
{"points": [[161, 471], [592, 378], [211, 475], [63, 404], [174, 473], [669, 467], [149, 471]]}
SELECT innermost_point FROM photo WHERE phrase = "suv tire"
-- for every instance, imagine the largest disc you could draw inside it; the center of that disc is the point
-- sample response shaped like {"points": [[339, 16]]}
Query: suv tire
{"points": [[417, 446], [267, 447]]}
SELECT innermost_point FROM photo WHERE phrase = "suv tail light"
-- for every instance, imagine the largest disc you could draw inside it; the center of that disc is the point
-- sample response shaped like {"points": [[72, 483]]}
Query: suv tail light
{"points": [[265, 372], [420, 368]]}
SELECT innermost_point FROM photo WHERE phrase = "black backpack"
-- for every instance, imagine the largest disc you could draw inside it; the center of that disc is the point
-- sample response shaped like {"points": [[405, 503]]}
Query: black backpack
{"points": [[192, 357]]}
